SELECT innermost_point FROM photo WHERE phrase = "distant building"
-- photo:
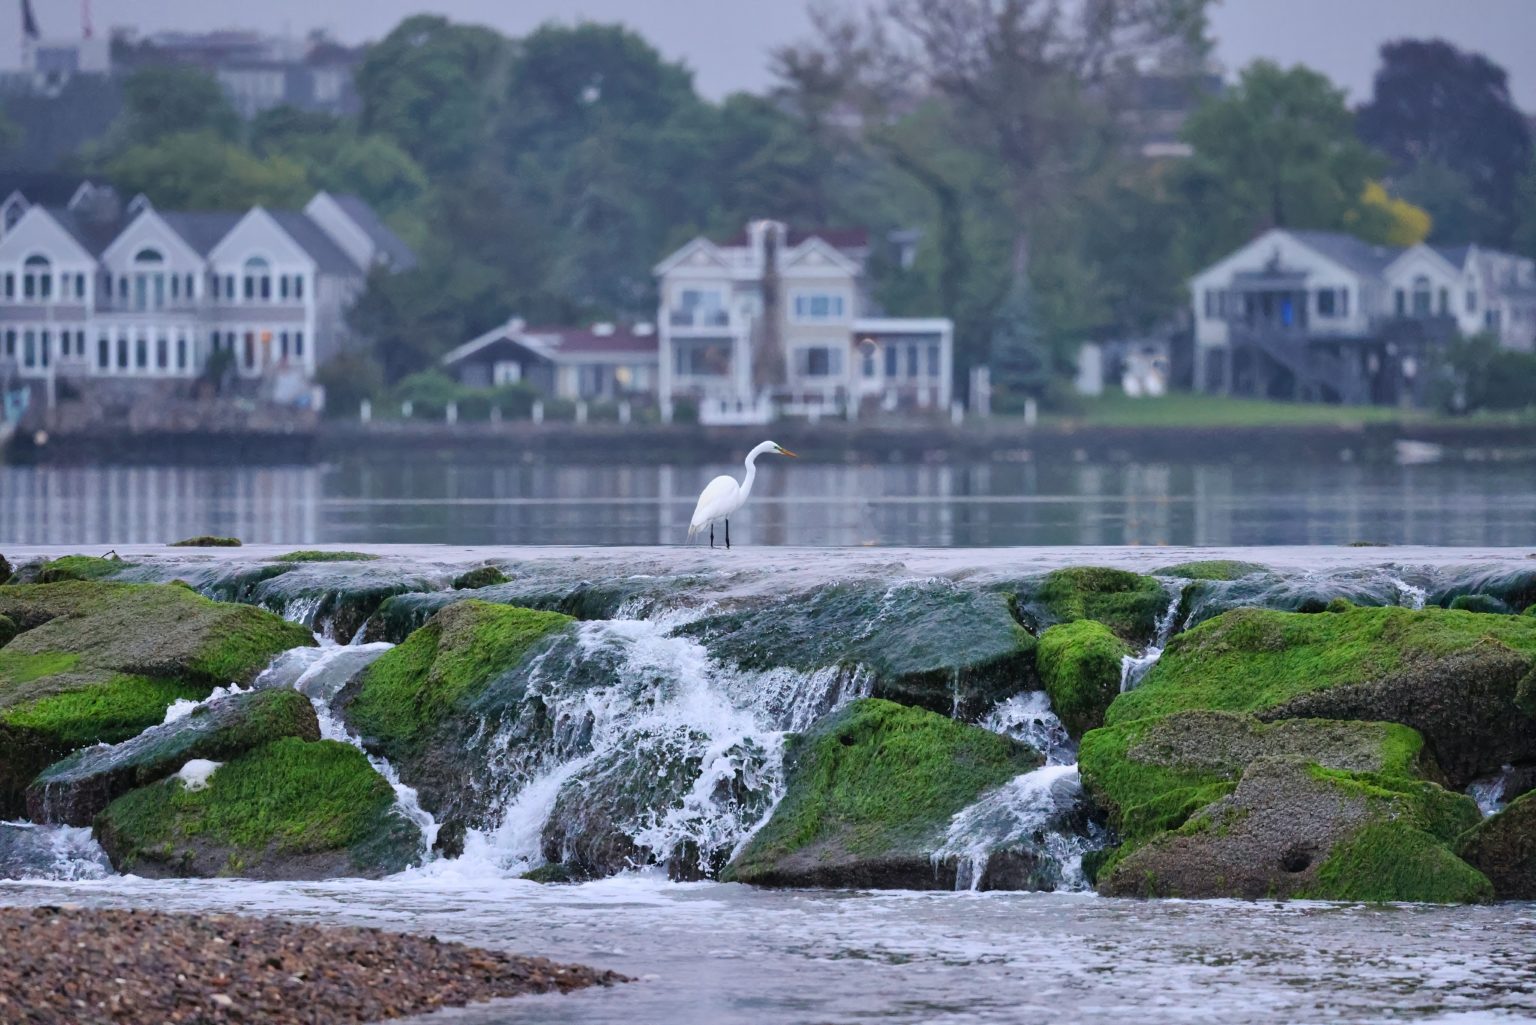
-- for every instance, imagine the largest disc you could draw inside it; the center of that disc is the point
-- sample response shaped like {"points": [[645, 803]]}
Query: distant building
{"points": [[1324, 316], [91, 290], [777, 320], [596, 363]]}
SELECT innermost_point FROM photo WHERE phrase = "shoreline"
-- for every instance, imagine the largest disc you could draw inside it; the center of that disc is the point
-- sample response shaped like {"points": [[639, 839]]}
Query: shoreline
{"points": [[210, 968], [998, 440]]}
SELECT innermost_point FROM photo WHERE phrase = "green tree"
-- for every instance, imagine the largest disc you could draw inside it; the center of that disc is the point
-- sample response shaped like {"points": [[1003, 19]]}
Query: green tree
{"points": [[1276, 150], [435, 88], [200, 171], [173, 99], [338, 159]]}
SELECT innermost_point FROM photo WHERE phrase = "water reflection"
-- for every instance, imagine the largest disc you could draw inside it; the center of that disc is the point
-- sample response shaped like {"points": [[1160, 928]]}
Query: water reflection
{"points": [[960, 504]]}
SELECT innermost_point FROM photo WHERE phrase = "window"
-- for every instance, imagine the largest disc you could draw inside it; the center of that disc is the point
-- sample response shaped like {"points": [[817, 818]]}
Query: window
{"points": [[1343, 302], [1401, 303], [187, 289], [892, 358], [1445, 302], [36, 277], [818, 361], [1471, 301], [28, 348], [175, 287], [1326, 302], [506, 371], [1210, 304], [933, 361], [181, 352], [298, 343], [282, 344], [818, 306], [10, 285], [298, 286], [141, 353], [213, 282], [79, 286], [103, 352], [122, 287], [258, 279], [122, 352], [162, 352], [282, 287], [250, 350], [10, 345], [148, 256], [229, 286], [46, 347], [701, 358], [1421, 296]]}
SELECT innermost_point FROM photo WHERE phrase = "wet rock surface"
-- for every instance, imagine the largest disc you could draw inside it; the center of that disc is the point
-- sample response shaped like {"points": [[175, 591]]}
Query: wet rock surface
{"points": [[1503, 847], [145, 966]]}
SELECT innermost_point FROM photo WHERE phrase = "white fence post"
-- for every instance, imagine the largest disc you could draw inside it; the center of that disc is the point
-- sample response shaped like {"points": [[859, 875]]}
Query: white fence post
{"points": [[624, 412], [451, 414], [581, 411], [365, 411], [538, 411]]}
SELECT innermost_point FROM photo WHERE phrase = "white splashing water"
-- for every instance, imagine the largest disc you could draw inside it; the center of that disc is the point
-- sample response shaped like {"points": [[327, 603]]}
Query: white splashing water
{"points": [[1410, 595], [1489, 792], [68, 853], [319, 674], [1134, 668], [705, 740], [183, 707], [1028, 718]]}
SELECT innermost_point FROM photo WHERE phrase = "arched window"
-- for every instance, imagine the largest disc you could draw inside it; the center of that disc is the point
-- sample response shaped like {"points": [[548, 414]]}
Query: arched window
{"points": [[36, 277], [258, 279], [148, 282], [1421, 296], [148, 255]]}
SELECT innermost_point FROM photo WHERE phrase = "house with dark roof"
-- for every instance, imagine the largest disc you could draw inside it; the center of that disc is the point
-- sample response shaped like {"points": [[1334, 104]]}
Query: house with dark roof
{"points": [[778, 320], [1325, 316], [601, 362], [92, 289]]}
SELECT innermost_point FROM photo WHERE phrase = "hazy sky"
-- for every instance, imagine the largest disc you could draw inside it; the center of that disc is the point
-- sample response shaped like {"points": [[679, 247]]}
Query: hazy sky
{"points": [[726, 41]]}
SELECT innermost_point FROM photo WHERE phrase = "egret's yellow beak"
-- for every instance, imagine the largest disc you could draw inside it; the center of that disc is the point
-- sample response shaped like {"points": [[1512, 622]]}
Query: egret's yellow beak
{"points": [[787, 452]]}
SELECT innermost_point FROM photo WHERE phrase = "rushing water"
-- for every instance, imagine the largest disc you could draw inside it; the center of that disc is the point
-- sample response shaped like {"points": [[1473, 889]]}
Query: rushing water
{"points": [[1053, 502]]}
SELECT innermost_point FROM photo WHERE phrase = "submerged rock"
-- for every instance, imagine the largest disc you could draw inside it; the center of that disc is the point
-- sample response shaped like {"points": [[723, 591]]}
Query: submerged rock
{"points": [[97, 662], [870, 792], [206, 541], [1212, 569], [78, 567], [75, 789], [480, 576], [421, 704], [1503, 847], [927, 643], [290, 809], [1456, 677], [334, 599], [1079, 665]]}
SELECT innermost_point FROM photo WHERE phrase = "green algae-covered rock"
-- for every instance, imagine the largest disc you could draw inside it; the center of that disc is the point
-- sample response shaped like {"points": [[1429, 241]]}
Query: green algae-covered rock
{"points": [[1128, 603], [1503, 847], [422, 702], [73, 790], [206, 541], [291, 809], [1293, 829], [1454, 676], [480, 576], [315, 555], [927, 643], [1212, 569], [8, 630], [1079, 667], [78, 567], [1480, 603], [869, 793], [5, 569], [98, 662]]}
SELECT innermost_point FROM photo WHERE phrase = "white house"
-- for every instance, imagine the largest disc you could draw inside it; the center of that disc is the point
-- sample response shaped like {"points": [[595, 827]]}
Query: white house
{"points": [[600, 362], [1324, 315], [780, 320], [91, 291]]}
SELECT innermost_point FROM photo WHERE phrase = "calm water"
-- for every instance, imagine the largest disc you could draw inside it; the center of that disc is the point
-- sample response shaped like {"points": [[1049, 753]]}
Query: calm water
{"points": [[710, 954], [799, 503]]}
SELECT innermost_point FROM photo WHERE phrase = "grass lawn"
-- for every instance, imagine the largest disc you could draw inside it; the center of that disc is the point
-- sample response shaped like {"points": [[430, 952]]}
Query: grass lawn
{"points": [[1114, 409]]}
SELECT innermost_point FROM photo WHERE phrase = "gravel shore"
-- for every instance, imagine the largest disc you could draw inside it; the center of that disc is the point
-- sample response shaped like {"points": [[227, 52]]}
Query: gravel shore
{"points": [[71, 966]]}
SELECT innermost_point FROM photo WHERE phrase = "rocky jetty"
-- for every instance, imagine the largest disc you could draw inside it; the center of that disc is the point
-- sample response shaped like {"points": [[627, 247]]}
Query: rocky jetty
{"points": [[1238, 729]]}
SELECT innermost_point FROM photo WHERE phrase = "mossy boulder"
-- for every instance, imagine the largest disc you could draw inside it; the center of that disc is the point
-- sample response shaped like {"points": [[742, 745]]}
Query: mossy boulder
{"points": [[98, 662], [1291, 828], [1128, 603], [1485, 603], [421, 702], [1462, 679], [315, 555], [290, 809], [1503, 847], [1212, 569], [74, 790], [1079, 667], [333, 599], [206, 541], [5, 569], [78, 567], [927, 643], [869, 793], [480, 576], [8, 630]]}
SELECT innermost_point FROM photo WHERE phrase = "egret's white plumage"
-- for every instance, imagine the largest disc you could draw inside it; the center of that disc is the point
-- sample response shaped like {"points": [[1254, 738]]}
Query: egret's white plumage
{"points": [[723, 495]]}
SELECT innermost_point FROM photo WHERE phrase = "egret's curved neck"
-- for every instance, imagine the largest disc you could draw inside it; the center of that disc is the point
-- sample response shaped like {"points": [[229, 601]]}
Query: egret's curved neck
{"points": [[746, 482]]}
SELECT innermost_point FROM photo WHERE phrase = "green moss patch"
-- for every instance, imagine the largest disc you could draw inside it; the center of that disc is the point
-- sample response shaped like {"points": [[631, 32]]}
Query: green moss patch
{"points": [[1392, 861], [870, 790], [442, 667], [289, 809], [100, 661], [313, 555], [1128, 603], [206, 541], [78, 567], [8, 630], [1503, 847], [1212, 569], [1079, 666]]}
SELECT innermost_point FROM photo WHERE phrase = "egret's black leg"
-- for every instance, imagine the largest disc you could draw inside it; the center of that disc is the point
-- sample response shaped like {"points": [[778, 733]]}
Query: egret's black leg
{"points": [[727, 533], [711, 535]]}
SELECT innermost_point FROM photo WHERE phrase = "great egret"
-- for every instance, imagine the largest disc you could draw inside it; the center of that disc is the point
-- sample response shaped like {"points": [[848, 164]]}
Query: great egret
{"points": [[723, 496]]}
